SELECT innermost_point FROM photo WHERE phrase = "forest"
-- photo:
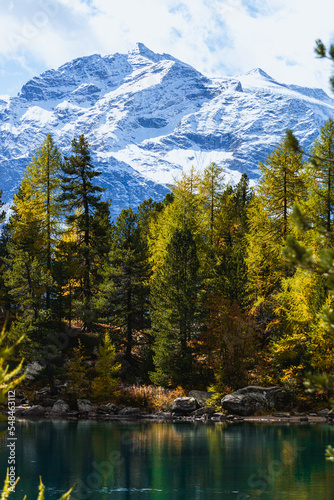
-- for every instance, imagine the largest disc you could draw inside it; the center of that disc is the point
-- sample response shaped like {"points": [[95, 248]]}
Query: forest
{"points": [[217, 286]]}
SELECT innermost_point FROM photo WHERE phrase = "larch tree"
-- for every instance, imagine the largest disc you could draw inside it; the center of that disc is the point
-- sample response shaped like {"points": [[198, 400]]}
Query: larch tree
{"points": [[35, 224], [211, 187], [320, 179], [281, 186]]}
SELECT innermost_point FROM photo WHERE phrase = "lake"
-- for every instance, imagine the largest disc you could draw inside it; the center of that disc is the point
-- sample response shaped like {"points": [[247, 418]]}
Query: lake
{"points": [[167, 461]]}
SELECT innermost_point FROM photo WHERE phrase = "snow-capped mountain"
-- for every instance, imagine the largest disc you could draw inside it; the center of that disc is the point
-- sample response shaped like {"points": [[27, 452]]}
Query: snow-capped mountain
{"points": [[147, 116]]}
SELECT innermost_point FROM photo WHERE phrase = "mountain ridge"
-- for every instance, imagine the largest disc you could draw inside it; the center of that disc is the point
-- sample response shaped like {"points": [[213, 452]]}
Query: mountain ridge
{"points": [[147, 116]]}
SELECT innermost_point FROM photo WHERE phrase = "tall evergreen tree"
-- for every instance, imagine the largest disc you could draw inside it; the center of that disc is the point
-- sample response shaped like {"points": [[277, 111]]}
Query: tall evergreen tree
{"points": [[82, 199], [124, 292], [230, 248], [174, 297]]}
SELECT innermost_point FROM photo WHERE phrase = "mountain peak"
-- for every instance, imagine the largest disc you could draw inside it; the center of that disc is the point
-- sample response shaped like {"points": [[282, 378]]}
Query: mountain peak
{"points": [[141, 50], [259, 72]]}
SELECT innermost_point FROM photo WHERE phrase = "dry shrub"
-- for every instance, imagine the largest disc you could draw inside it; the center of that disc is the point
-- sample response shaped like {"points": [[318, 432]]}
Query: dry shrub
{"points": [[150, 397]]}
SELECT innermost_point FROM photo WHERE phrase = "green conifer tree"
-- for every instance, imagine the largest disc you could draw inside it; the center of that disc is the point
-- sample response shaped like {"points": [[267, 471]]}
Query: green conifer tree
{"points": [[124, 290], [174, 297], [82, 198]]}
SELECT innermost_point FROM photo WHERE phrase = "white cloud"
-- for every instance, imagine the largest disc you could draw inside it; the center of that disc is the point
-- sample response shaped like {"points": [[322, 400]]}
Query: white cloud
{"points": [[216, 36]]}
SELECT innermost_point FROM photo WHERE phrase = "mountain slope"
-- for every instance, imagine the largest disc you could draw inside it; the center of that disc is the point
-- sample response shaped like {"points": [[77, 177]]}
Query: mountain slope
{"points": [[147, 116]]}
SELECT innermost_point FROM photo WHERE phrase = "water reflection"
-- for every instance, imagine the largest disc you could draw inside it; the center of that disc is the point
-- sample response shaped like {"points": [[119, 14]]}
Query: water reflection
{"points": [[174, 461]]}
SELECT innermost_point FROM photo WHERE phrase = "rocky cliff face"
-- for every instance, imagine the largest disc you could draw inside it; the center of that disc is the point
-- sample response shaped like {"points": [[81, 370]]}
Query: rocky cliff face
{"points": [[147, 116]]}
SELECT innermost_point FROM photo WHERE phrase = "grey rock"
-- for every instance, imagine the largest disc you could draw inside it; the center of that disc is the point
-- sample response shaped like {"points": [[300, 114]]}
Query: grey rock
{"points": [[200, 396], [219, 416], [33, 411], [282, 415], [251, 399], [108, 408], [32, 370], [49, 401], [164, 415], [323, 413], [206, 410], [59, 408], [184, 406], [129, 411], [84, 405]]}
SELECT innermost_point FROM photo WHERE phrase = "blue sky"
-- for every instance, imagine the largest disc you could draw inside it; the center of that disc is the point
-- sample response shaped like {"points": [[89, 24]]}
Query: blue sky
{"points": [[217, 37]]}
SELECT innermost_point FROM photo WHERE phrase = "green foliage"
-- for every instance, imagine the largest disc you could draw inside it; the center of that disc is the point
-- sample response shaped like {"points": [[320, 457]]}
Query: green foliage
{"points": [[105, 384], [82, 199], [174, 296], [124, 290]]}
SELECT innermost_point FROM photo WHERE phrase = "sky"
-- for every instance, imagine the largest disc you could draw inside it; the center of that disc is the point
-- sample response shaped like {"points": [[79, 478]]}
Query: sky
{"points": [[217, 37]]}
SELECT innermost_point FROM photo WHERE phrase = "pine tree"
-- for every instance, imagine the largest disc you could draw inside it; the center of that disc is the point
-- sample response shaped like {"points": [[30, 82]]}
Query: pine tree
{"points": [[174, 297], [230, 248], [124, 290], [82, 199]]}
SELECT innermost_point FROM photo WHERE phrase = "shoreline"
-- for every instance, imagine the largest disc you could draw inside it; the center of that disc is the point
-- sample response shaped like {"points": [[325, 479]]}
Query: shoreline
{"points": [[144, 417]]}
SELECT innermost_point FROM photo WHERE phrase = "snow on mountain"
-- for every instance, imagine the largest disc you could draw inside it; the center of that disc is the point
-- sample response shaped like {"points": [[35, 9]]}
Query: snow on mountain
{"points": [[147, 116]]}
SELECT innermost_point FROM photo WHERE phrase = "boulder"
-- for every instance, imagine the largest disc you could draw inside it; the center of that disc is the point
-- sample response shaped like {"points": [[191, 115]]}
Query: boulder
{"points": [[323, 413], [200, 396], [84, 405], [49, 401], [33, 411], [129, 412], [32, 370], [108, 408], [184, 406], [251, 399], [60, 408], [206, 410]]}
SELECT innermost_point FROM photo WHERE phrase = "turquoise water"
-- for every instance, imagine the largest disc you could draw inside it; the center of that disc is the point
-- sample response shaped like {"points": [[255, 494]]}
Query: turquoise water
{"points": [[165, 461]]}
